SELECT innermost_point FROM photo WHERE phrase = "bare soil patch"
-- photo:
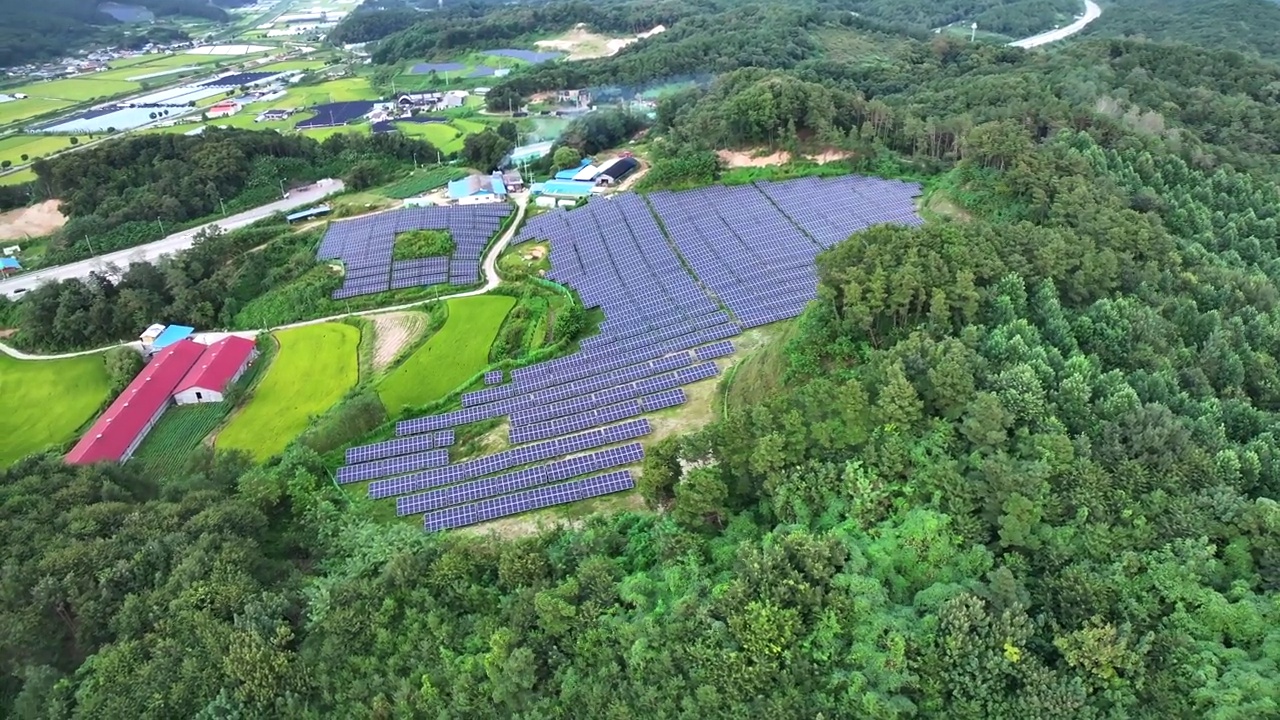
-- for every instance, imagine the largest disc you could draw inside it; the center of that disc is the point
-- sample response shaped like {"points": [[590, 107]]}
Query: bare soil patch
{"points": [[392, 333], [582, 44], [827, 156], [34, 221], [735, 158]]}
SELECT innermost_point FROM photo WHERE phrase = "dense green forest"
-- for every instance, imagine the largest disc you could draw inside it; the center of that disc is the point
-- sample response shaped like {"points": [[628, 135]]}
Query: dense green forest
{"points": [[1249, 26], [1021, 462], [125, 193], [51, 30], [408, 34]]}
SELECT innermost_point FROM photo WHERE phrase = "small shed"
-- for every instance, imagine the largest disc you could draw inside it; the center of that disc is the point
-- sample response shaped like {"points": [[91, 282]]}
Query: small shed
{"points": [[148, 336], [171, 335]]}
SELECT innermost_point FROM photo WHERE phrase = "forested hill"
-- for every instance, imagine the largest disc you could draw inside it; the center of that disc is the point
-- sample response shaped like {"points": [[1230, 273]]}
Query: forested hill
{"points": [[1021, 462], [1249, 26], [410, 33], [33, 32]]}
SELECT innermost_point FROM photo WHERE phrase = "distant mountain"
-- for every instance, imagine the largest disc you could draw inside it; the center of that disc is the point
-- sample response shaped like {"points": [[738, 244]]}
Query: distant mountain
{"points": [[36, 32]]}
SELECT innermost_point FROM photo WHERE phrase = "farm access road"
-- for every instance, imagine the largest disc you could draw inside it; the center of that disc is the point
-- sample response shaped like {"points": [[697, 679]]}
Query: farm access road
{"points": [[491, 281], [171, 244]]}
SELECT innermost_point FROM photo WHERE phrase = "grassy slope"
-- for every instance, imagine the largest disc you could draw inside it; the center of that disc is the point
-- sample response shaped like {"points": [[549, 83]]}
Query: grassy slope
{"points": [[458, 351], [14, 147], [44, 402], [315, 367]]}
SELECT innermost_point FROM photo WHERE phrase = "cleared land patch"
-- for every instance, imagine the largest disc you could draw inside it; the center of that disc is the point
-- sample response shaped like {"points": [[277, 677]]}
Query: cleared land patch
{"points": [[44, 402], [78, 90], [453, 355], [34, 221], [392, 333], [315, 367]]}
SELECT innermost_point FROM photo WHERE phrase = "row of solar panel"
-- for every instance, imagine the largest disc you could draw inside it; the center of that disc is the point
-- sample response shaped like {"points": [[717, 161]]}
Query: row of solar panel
{"points": [[535, 499], [399, 446], [507, 459], [520, 479]]}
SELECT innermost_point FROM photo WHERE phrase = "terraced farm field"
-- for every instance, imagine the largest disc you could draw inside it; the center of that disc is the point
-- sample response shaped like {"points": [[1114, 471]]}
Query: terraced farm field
{"points": [[315, 367], [44, 402], [457, 352]]}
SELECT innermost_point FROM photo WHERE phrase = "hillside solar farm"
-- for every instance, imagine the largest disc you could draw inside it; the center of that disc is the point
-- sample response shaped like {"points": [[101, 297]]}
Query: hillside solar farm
{"points": [[365, 247], [664, 328]]}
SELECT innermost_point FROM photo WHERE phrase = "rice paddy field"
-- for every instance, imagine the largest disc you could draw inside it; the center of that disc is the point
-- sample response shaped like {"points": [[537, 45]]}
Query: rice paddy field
{"points": [[313, 370], [19, 177], [19, 110], [79, 89], [444, 136], [44, 402], [12, 148], [449, 358], [342, 90]]}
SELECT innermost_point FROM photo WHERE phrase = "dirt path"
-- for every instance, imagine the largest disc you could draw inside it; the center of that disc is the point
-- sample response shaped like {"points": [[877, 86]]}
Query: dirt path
{"points": [[34, 221], [392, 333]]}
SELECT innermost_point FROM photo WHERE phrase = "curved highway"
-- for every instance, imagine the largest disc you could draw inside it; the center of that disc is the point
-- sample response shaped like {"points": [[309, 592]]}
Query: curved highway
{"points": [[489, 269], [1091, 13]]}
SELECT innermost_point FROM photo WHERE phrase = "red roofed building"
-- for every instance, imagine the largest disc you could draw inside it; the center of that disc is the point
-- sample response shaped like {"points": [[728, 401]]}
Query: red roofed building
{"points": [[222, 364], [120, 429]]}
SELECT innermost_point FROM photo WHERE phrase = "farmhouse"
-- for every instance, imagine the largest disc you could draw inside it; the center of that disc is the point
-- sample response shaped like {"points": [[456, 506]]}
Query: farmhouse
{"points": [[119, 431], [9, 265], [185, 372], [272, 115], [223, 109], [418, 99], [221, 364], [478, 189]]}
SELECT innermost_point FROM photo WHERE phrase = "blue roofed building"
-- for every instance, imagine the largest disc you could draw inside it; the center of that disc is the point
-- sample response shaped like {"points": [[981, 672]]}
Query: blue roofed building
{"points": [[171, 335], [529, 153], [9, 266], [561, 192], [571, 172], [478, 189]]}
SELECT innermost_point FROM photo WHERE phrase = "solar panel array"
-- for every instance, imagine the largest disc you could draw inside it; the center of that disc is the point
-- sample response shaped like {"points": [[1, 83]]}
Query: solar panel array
{"points": [[365, 246], [537, 498], [392, 466], [520, 479], [399, 446], [677, 275], [507, 459]]}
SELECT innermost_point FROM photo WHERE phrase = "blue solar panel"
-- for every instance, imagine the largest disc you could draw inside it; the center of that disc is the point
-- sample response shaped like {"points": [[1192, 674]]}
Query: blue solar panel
{"points": [[520, 479], [389, 448], [392, 466], [537, 498]]}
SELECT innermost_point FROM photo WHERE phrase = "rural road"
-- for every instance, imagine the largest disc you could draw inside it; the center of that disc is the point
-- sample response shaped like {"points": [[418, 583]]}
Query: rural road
{"points": [[489, 268], [177, 241], [1091, 13]]}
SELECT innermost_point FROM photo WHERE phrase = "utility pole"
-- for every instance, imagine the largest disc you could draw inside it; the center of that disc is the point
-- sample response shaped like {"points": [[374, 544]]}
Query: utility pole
{"points": [[973, 34], [86, 239], [415, 160], [161, 224], [282, 195], [224, 206]]}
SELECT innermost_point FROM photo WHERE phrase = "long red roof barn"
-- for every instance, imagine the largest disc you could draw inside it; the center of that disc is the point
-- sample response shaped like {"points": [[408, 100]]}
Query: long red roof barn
{"points": [[116, 434], [217, 368]]}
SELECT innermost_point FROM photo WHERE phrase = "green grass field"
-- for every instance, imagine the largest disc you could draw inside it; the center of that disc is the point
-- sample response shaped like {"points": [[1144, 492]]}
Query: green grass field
{"points": [[446, 137], [342, 90], [18, 110], [180, 431], [44, 402], [468, 126], [78, 89], [315, 367], [293, 65], [449, 358], [12, 148], [17, 178]]}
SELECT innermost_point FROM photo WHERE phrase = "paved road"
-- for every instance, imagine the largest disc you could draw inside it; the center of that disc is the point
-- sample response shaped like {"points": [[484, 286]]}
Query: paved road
{"points": [[489, 268], [173, 243], [1091, 13]]}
